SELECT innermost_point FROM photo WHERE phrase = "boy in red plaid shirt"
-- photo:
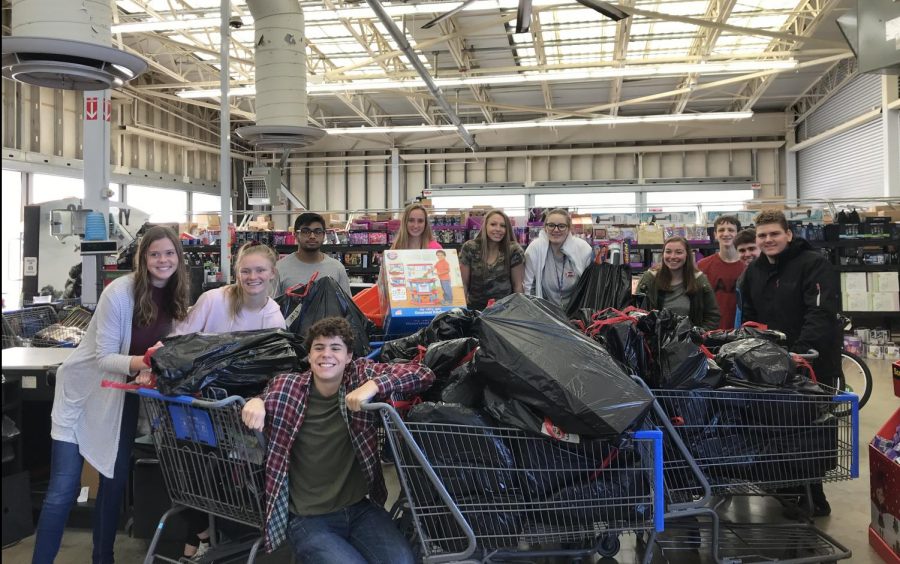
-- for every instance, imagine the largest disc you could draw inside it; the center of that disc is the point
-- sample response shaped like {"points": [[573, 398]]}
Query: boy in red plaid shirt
{"points": [[324, 486]]}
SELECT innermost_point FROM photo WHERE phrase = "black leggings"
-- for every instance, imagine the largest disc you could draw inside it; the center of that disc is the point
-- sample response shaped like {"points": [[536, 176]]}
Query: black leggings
{"points": [[196, 522]]}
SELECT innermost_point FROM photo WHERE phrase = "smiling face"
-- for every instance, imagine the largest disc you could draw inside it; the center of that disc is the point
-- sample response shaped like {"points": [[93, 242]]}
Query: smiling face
{"points": [[748, 252], [772, 239], [255, 274], [674, 255], [328, 356], [162, 261], [725, 233], [495, 227], [557, 227], [415, 223]]}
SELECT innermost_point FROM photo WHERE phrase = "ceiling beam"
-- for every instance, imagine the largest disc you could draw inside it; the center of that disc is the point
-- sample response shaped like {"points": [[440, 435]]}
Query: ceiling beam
{"points": [[464, 64], [620, 52], [718, 11]]}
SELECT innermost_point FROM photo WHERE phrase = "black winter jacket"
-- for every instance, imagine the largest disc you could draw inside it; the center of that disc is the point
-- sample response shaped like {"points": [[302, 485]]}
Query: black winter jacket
{"points": [[798, 294]]}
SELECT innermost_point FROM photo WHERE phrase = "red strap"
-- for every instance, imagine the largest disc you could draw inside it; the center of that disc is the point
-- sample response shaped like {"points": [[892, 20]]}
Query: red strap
{"points": [[403, 406], [706, 352], [466, 358], [420, 355], [632, 309], [756, 325], [306, 286], [119, 385], [614, 454], [803, 363]]}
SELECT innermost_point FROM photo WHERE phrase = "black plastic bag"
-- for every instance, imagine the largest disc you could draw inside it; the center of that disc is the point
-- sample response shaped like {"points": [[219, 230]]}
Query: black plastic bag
{"points": [[471, 461], [625, 343], [715, 339], [464, 387], [542, 361], [453, 324], [404, 348], [601, 286], [242, 363], [323, 298], [614, 499], [678, 361], [758, 361], [443, 356]]}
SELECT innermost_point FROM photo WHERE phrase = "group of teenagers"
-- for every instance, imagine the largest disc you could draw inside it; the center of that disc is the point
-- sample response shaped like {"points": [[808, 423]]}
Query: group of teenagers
{"points": [[324, 487]]}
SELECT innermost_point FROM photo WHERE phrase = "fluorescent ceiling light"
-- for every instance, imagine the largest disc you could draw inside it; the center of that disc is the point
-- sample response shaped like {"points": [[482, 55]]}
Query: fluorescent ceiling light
{"points": [[618, 120], [534, 77]]}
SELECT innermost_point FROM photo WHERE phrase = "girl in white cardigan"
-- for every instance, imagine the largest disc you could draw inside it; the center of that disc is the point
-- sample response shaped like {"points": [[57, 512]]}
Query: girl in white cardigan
{"points": [[98, 424], [554, 263]]}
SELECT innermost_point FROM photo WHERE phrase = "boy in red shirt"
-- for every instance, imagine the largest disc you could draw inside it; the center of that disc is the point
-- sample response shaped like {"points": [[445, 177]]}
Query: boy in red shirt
{"points": [[724, 268], [442, 269]]}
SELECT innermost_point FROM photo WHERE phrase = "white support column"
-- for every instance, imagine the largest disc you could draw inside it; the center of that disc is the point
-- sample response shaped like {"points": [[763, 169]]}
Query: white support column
{"points": [[96, 136], [225, 143], [394, 196], [792, 187], [890, 120]]}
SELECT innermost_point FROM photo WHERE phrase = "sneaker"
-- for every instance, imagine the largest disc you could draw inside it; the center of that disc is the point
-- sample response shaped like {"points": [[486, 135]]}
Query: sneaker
{"points": [[202, 549]]}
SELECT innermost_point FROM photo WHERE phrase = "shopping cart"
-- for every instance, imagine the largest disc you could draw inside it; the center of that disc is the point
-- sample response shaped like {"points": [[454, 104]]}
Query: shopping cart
{"points": [[211, 462], [43, 326], [726, 443], [557, 499]]}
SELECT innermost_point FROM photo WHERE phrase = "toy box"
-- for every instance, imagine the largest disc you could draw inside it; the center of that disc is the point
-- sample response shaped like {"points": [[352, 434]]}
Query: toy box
{"points": [[416, 285], [884, 475]]}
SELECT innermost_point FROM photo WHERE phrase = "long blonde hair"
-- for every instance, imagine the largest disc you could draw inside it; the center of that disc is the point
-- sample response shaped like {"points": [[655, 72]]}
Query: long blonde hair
{"points": [[176, 292], [402, 240], [235, 292], [504, 244]]}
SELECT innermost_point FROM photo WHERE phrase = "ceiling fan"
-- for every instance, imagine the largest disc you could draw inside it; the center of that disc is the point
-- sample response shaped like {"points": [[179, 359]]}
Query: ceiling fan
{"points": [[523, 13]]}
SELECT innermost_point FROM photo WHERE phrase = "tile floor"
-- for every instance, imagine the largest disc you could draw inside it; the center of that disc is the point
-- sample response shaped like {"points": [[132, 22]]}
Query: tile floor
{"points": [[848, 522]]}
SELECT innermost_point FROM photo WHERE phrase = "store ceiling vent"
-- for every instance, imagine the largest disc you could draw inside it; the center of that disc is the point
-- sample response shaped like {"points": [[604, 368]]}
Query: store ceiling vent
{"points": [[261, 185], [281, 102], [66, 45]]}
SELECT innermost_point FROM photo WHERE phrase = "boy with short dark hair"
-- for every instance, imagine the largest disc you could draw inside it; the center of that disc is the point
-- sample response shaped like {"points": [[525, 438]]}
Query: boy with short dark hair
{"points": [[324, 486], [745, 244], [724, 268], [298, 268], [794, 289]]}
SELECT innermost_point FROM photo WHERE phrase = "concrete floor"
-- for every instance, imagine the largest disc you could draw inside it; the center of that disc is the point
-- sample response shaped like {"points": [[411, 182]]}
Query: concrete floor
{"points": [[848, 523]]}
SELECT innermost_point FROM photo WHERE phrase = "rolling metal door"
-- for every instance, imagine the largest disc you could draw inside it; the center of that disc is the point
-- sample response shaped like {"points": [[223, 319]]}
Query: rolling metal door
{"points": [[858, 96], [846, 165]]}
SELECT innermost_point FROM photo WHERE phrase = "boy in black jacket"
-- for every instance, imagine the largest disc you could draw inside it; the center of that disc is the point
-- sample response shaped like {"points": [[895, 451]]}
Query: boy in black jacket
{"points": [[794, 289]]}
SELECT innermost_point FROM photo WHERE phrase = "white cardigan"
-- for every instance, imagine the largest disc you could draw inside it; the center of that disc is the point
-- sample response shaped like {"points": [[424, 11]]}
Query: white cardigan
{"points": [[83, 412], [576, 250]]}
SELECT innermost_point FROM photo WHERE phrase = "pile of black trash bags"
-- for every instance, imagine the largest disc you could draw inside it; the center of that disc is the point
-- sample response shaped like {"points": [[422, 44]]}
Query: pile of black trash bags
{"points": [[243, 363], [767, 422], [544, 412]]}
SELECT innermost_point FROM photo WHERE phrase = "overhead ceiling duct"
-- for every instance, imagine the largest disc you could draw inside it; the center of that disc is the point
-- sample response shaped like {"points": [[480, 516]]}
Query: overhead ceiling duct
{"points": [[66, 45], [281, 102]]}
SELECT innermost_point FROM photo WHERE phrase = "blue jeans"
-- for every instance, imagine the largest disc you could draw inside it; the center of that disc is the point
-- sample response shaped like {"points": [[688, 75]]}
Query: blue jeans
{"points": [[65, 483], [359, 534], [447, 289]]}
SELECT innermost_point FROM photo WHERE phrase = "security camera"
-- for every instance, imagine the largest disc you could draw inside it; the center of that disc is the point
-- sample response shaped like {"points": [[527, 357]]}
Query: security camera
{"points": [[235, 22]]}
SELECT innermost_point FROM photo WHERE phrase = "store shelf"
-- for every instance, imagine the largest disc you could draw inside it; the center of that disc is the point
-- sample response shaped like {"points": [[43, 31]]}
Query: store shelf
{"points": [[868, 268], [360, 271], [853, 243], [694, 246], [884, 314]]}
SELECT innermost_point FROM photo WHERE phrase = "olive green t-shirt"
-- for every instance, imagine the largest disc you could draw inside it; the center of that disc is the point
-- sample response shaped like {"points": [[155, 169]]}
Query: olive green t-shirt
{"points": [[324, 473]]}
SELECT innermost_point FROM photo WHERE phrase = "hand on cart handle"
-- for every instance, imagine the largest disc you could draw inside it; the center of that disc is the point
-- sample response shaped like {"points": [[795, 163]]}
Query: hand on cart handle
{"points": [[254, 414], [145, 378], [361, 395], [811, 354]]}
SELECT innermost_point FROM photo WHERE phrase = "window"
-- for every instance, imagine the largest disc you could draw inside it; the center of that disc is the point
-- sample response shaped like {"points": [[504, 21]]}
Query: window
{"points": [[512, 204], [46, 187], [161, 204], [619, 202], [12, 238], [698, 200], [205, 203]]}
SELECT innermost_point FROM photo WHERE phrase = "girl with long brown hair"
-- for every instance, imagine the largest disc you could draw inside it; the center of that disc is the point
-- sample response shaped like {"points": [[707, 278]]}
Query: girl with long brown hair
{"points": [[493, 264]]}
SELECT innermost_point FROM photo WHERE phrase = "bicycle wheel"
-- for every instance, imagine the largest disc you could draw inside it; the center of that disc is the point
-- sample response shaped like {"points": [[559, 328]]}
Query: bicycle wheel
{"points": [[855, 377]]}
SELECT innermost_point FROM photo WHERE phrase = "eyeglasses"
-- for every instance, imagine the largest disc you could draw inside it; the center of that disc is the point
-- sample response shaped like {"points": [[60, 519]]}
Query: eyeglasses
{"points": [[556, 226], [306, 231]]}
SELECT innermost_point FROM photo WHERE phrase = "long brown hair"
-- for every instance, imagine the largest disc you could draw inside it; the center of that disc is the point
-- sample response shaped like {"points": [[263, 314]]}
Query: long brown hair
{"points": [[176, 292], [235, 291], [688, 271], [402, 240], [504, 244]]}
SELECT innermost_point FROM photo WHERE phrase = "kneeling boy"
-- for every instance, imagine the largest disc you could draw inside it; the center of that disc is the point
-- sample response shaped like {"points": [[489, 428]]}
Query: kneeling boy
{"points": [[324, 486]]}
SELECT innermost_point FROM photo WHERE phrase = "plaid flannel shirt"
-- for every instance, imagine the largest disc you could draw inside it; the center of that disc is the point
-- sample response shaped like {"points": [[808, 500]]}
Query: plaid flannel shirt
{"points": [[286, 399]]}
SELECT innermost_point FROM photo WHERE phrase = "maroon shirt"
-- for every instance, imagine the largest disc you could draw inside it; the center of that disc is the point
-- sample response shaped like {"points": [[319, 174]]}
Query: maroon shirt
{"points": [[723, 277], [142, 338]]}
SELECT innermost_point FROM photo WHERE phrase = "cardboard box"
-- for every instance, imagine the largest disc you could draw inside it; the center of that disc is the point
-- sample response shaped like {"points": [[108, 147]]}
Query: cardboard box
{"points": [[209, 220], [90, 479], [857, 301], [885, 301], [854, 282], [884, 281], [412, 291]]}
